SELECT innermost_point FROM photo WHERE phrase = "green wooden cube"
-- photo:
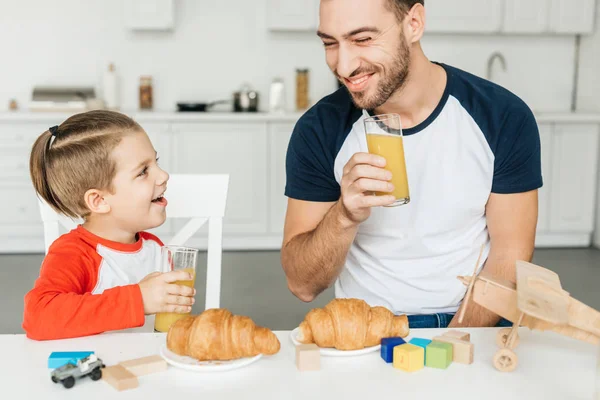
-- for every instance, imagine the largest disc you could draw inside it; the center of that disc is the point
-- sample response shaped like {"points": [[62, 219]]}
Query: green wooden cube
{"points": [[438, 355]]}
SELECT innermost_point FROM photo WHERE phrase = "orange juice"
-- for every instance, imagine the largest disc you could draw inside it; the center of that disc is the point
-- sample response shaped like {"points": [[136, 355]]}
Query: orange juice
{"points": [[391, 147], [163, 321]]}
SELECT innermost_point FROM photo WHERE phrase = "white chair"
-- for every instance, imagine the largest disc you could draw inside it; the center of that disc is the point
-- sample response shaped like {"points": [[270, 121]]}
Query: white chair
{"points": [[202, 198]]}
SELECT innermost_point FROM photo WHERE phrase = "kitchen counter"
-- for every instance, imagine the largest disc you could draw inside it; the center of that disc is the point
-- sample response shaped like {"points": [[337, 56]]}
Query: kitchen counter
{"points": [[568, 117], [219, 116], [161, 116]]}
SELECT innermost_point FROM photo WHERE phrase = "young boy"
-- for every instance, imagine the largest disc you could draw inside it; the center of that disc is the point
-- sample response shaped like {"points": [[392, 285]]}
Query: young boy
{"points": [[101, 166]]}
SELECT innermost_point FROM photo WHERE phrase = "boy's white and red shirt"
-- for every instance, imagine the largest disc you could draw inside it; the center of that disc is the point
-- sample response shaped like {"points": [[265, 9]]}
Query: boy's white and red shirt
{"points": [[89, 285]]}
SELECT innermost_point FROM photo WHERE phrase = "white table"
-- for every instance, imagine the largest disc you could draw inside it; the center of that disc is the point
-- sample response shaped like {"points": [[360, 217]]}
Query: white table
{"points": [[550, 367]]}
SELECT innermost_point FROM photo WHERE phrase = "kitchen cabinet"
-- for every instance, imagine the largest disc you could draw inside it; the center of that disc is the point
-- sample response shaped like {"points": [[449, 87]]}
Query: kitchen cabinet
{"points": [[293, 15], [237, 149], [160, 135], [572, 16], [252, 149], [530, 16], [464, 16], [573, 181], [544, 192], [279, 138], [597, 227]]}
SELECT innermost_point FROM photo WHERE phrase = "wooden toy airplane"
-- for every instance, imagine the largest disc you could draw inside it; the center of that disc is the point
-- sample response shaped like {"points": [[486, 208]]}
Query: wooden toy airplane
{"points": [[537, 301]]}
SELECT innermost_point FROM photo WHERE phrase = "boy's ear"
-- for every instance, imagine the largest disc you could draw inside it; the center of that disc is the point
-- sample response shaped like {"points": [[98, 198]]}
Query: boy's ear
{"points": [[95, 202]]}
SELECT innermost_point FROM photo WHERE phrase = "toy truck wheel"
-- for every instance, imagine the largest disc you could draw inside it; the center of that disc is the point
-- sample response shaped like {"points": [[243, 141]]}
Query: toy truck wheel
{"points": [[505, 360], [96, 374], [54, 379], [502, 337], [68, 382]]}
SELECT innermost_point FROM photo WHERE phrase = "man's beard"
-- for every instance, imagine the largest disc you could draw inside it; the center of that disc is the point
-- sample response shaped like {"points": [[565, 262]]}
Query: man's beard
{"points": [[389, 83]]}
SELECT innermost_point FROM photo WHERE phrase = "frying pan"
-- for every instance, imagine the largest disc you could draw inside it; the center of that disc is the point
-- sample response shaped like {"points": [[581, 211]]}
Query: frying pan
{"points": [[199, 107]]}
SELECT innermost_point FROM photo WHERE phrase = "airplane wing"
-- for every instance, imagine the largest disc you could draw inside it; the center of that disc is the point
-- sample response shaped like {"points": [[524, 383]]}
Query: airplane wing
{"points": [[540, 294]]}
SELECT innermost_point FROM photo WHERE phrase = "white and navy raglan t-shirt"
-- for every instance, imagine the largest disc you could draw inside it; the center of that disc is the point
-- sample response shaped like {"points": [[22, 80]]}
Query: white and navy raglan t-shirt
{"points": [[480, 139]]}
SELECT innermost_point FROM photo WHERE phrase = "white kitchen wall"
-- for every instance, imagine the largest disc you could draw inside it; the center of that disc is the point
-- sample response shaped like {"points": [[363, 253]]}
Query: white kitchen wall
{"points": [[218, 45]]}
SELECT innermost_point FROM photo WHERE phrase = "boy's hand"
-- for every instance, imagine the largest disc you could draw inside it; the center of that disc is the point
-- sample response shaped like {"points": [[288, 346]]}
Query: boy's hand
{"points": [[159, 294]]}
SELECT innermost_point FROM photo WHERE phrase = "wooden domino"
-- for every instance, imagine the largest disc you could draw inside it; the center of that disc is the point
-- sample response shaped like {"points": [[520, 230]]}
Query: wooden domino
{"points": [[458, 335], [408, 357], [439, 355], [119, 377], [308, 357], [145, 365], [462, 350]]}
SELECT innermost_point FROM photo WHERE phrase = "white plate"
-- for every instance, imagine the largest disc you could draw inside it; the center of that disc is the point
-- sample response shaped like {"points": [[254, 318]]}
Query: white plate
{"points": [[333, 352], [192, 364]]}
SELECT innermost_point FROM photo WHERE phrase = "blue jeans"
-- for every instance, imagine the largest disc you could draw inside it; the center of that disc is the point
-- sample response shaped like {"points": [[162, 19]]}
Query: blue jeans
{"points": [[440, 321]]}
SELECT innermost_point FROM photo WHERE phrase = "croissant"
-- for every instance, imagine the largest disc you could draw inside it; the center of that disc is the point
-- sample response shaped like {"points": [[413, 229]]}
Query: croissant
{"points": [[350, 324], [217, 334]]}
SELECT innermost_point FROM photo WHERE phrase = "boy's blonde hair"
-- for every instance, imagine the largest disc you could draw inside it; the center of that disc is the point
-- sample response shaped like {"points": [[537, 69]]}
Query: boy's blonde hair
{"points": [[68, 160]]}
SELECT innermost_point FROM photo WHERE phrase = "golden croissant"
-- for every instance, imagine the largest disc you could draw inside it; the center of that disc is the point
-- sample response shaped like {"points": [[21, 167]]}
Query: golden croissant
{"points": [[350, 324], [217, 334]]}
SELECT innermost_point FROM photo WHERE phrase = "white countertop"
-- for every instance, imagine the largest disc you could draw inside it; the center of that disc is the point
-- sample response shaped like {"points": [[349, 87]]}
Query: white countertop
{"points": [[160, 116], [219, 116], [550, 367]]}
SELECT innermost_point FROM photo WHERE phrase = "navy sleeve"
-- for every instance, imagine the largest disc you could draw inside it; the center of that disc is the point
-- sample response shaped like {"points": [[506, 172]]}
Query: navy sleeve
{"points": [[517, 165], [309, 162]]}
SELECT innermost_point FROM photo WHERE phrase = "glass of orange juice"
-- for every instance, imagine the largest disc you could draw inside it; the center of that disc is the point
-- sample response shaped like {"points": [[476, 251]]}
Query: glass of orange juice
{"points": [[175, 258], [384, 138]]}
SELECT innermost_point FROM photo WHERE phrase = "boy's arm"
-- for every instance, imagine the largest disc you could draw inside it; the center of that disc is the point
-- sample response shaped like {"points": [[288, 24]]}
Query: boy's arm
{"points": [[61, 306]]}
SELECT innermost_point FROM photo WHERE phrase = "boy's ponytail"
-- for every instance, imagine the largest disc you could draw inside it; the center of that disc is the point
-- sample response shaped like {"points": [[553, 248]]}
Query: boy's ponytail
{"points": [[39, 163]]}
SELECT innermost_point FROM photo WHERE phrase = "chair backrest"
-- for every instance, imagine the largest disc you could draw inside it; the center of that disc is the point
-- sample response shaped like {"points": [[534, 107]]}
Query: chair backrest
{"points": [[201, 198]]}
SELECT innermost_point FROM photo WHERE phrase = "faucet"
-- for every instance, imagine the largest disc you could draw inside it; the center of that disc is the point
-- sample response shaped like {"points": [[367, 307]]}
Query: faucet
{"points": [[490, 63]]}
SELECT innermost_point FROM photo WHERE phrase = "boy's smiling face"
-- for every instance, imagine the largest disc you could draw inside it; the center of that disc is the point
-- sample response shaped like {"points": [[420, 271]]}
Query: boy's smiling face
{"points": [[137, 201]]}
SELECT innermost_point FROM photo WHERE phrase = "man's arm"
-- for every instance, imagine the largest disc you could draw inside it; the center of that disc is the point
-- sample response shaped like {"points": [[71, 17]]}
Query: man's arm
{"points": [[316, 240], [512, 221], [317, 236]]}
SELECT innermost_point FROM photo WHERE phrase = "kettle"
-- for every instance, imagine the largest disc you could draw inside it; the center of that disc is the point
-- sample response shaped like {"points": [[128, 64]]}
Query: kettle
{"points": [[245, 100]]}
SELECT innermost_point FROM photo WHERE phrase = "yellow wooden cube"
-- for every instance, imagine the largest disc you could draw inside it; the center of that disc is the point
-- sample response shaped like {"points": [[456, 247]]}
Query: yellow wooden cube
{"points": [[409, 357]]}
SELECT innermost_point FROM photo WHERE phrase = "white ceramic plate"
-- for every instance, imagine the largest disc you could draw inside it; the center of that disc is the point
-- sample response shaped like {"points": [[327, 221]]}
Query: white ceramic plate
{"points": [[192, 364], [335, 352]]}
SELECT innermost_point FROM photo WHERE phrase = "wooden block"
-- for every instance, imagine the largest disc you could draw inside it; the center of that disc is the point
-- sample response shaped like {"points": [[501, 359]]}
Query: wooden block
{"points": [[462, 351], [408, 357], [119, 377], [308, 357], [421, 343], [439, 355], [387, 347], [458, 335], [145, 365]]}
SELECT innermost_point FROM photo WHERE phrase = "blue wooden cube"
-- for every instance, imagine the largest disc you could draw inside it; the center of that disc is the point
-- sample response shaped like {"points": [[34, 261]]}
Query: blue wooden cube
{"points": [[421, 343], [59, 358], [387, 347]]}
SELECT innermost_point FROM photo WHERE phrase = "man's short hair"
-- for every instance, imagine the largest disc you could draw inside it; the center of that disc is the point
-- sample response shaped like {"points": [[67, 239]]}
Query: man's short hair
{"points": [[401, 7]]}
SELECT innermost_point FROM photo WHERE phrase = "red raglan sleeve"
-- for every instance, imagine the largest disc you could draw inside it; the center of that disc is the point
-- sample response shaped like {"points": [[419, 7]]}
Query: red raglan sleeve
{"points": [[61, 304]]}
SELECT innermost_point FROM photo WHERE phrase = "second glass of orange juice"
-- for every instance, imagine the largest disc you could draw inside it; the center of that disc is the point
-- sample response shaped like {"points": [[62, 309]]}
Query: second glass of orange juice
{"points": [[175, 258], [384, 138]]}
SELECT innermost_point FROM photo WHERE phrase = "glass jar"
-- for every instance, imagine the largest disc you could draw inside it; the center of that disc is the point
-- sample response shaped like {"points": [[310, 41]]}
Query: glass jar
{"points": [[302, 82], [146, 97]]}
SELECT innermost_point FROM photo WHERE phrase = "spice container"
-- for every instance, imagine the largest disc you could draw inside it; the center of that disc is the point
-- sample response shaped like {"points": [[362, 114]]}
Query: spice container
{"points": [[146, 96], [302, 82]]}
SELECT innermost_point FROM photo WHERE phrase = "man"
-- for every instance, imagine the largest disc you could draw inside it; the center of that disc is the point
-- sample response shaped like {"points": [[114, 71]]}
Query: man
{"points": [[473, 160]]}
